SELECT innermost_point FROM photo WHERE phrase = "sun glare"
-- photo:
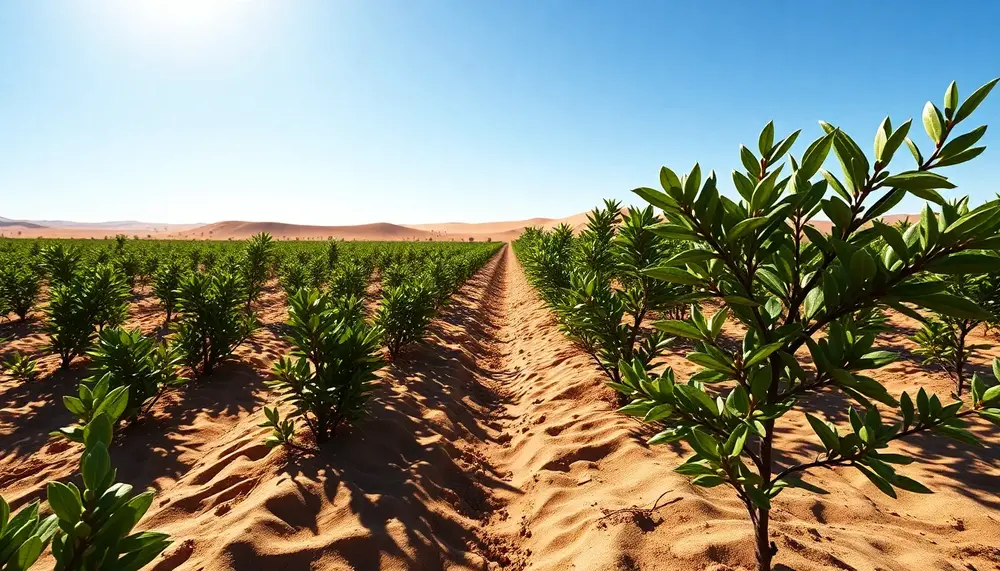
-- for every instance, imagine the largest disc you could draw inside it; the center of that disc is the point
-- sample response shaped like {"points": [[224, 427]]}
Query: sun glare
{"points": [[178, 28]]}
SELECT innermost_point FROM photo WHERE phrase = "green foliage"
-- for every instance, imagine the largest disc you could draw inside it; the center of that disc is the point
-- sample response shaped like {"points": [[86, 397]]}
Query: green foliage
{"points": [[330, 373], [944, 340], [95, 524], [21, 367], [60, 263], [166, 283], [212, 323], [294, 276], [124, 358], [793, 288], [256, 265], [19, 288], [23, 536], [350, 279], [610, 294], [82, 306], [404, 313]]}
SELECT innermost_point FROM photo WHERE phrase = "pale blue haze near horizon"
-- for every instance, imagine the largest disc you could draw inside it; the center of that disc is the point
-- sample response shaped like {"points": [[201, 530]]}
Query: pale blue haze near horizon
{"points": [[350, 111]]}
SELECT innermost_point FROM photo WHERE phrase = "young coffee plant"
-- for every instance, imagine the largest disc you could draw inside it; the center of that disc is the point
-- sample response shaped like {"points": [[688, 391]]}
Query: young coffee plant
{"points": [[349, 279], [82, 306], [166, 282], [256, 265], [294, 276], [125, 358], [60, 263], [404, 313], [24, 536], [19, 288], [330, 373], [609, 297], [793, 287], [212, 323], [95, 524], [944, 340], [21, 367], [332, 254], [548, 260]]}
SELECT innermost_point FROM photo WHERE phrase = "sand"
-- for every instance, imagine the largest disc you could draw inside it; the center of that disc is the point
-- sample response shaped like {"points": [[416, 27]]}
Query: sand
{"points": [[490, 445]]}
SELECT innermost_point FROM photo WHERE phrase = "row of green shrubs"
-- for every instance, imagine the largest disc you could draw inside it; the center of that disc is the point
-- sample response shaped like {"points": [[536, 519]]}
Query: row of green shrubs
{"points": [[327, 378]]}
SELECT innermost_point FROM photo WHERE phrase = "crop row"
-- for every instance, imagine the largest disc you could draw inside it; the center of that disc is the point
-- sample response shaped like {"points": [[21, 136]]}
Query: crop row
{"points": [[208, 293]]}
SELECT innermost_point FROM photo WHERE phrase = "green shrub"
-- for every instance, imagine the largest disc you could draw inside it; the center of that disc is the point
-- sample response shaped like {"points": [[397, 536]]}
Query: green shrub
{"points": [[126, 358], [19, 288], [212, 323], [24, 536], [609, 296], [404, 313], [944, 340], [792, 288], [21, 367], [95, 524], [85, 304], [349, 280], [331, 371], [332, 254], [60, 263], [256, 265], [294, 276], [166, 282]]}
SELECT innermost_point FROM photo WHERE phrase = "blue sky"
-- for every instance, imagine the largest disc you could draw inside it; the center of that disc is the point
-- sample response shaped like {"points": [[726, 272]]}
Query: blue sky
{"points": [[409, 111]]}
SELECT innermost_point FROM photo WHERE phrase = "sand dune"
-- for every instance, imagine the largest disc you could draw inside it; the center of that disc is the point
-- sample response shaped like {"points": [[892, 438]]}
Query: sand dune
{"points": [[239, 230]]}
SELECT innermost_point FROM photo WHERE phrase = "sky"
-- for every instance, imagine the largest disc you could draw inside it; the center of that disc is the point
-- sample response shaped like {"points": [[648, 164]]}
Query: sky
{"points": [[418, 111]]}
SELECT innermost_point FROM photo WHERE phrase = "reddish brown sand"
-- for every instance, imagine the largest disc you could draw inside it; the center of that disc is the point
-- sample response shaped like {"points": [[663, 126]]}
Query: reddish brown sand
{"points": [[491, 445]]}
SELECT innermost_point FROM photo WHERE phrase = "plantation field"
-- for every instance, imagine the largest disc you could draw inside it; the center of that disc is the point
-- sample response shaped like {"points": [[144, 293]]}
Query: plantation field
{"points": [[493, 443]]}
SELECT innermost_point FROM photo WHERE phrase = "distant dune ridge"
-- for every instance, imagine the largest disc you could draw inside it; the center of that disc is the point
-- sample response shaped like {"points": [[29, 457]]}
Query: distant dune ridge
{"points": [[238, 230]]}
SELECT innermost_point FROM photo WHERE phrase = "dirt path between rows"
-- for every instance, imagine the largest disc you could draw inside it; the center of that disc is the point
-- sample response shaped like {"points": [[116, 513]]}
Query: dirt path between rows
{"points": [[492, 444]]}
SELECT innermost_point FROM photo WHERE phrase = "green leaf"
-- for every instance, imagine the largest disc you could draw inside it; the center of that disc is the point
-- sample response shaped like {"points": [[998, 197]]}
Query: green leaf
{"points": [[959, 158], [679, 328], [918, 180], [933, 122], [965, 263], [745, 226], [708, 481], [991, 395], [825, 433], [952, 306], [98, 430], [704, 444], [884, 486], [915, 151], [761, 353], [64, 501], [750, 162], [114, 404], [950, 100], [894, 239], [694, 469], [910, 485], [766, 139], [672, 275], [974, 100]]}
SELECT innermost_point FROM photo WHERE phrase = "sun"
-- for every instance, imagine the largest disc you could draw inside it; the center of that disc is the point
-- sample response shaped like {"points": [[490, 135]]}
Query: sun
{"points": [[178, 27]]}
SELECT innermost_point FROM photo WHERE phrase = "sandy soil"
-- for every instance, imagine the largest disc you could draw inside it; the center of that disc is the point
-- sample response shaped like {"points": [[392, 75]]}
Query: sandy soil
{"points": [[491, 445]]}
